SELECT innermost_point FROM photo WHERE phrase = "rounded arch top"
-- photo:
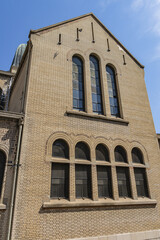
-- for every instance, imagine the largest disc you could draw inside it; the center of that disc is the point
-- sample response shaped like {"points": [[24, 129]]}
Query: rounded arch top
{"points": [[137, 155], [102, 152], [60, 149], [120, 154], [111, 68], [140, 146], [55, 136], [94, 53], [82, 151], [112, 64], [76, 53]]}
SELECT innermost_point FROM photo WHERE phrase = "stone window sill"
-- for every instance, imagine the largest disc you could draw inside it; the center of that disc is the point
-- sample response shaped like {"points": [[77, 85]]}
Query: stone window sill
{"points": [[2, 206], [63, 203], [98, 117]]}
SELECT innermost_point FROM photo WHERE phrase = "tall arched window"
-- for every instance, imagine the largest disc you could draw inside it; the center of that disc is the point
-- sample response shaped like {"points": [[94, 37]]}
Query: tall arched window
{"points": [[96, 85], [102, 153], [78, 83], [137, 156], [60, 149], [82, 151], [112, 89], [2, 169], [120, 154]]}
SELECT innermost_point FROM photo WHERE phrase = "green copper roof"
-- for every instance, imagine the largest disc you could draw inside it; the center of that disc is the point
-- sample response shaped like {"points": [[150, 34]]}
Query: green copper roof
{"points": [[18, 55]]}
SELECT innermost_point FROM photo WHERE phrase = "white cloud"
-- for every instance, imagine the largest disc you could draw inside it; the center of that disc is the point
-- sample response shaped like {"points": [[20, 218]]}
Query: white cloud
{"points": [[156, 54], [150, 11], [148, 14], [137, 4], [104, 3]]}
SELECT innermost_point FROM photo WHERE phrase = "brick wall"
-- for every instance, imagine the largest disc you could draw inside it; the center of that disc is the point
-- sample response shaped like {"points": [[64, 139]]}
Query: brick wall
{"points": [[49, 99]]}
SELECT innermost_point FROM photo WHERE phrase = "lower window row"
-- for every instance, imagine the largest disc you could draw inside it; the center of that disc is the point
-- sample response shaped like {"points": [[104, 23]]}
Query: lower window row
{"points": [[83, 181]]}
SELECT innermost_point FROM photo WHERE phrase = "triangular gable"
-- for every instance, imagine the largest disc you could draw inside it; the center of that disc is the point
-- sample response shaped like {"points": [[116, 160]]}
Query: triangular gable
{"points": [[99, 22]]}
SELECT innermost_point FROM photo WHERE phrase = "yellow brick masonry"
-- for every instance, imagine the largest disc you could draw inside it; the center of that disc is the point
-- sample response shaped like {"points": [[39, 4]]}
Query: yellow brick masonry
{"points": [[49, 98]]}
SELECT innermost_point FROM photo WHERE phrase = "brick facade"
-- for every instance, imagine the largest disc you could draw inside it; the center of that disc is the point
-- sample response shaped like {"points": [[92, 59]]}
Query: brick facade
{"points": [[49, 116]]}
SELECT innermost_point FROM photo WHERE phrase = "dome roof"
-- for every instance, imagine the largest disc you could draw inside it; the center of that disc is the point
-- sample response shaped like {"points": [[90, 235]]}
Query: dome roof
{"points": [[18, 54]]}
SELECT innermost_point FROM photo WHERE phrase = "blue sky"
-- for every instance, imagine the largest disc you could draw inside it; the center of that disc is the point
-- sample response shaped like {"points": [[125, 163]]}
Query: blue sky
{"points": [[136, 23]]}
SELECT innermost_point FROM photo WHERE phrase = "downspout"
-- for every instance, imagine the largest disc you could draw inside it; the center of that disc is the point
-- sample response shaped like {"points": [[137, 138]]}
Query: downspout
{"points": [[15, 177]]}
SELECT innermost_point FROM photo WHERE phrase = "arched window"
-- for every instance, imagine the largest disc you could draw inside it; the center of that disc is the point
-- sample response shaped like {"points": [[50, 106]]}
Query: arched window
{"points": [[120, 154], [112, 89], [60, 149], [102, 153], [96, 85], [78, 83], [137, 156], [2, 169], [82, 151]]}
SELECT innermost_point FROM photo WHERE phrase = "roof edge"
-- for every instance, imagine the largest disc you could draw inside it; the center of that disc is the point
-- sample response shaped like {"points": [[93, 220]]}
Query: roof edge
{"points": [[58, 24], [7, 73], [12, 115], [101, 24]]}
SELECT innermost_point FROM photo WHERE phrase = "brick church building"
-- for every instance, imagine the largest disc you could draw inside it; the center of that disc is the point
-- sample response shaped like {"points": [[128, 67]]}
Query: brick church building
{"points": [[79, 155]]}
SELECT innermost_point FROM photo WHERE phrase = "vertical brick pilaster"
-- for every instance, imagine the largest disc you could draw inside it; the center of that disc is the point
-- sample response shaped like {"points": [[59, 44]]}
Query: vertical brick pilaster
{"points": [[114, 183], [105, 95], [94, 183], [88, 93], [72, 182]]}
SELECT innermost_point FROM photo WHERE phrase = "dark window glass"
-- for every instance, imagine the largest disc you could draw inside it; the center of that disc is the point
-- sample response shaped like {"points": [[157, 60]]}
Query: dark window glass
{"points": [[137, 156], [102, 153], [83, 181], [120, 154], [104, 182], [112, 89], [2, 169], [95, 85], [60, 180], [60, 149], [82, 151], [78, 83], [141, 182], [123, 182]]}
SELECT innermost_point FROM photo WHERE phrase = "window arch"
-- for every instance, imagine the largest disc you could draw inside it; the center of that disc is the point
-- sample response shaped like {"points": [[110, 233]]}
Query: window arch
{"points": [[102, 153], [82, 151], [96, 85], [60, 149], [120, 154], [2, 169], [137, 156], [78, 83], [112, 90]]}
